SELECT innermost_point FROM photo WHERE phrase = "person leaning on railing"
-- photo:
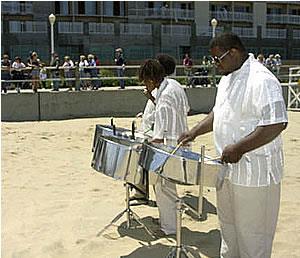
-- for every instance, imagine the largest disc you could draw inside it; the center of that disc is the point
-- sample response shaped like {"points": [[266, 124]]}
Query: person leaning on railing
{"points": [[17, 72], [55, 72], [5, 72], [34, 63]]}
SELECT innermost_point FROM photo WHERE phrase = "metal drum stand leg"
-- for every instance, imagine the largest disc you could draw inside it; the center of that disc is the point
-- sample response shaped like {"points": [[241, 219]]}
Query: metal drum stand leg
{"points": [[180, 249], [130, 214]]}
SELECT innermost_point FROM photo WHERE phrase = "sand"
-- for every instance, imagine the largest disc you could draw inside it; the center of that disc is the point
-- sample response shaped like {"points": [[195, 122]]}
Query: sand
{"points": [[54, 204]]}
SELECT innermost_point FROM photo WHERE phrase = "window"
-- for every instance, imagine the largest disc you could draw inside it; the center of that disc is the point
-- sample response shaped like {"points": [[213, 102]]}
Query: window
{"points": [[90, 7], [274, 10], [118, 8], [108, 8], [294, 11], [81, 7]]}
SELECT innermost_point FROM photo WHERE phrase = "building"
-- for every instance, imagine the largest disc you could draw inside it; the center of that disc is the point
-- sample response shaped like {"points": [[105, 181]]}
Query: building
{"points": [[146, 28]]}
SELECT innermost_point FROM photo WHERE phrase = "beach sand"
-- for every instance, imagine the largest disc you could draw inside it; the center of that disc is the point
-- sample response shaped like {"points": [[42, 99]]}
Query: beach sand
{"points": [[55, 205]]}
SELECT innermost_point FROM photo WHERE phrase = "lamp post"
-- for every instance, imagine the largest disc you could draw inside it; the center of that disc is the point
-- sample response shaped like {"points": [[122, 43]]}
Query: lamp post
{"points": [[214, 24], [52, 21]]}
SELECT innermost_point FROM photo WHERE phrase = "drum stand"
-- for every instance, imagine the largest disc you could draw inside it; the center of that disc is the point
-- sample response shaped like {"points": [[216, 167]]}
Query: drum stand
{"points": [[130, 214], [180, 249]]}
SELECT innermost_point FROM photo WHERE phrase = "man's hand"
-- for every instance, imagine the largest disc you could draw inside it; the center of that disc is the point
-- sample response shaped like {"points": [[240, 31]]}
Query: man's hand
{"points": [[186, 137], [231, 154]]}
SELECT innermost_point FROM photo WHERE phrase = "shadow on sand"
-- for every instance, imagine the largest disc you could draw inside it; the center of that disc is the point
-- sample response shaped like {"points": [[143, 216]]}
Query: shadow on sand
{"points": [[196, 242]]}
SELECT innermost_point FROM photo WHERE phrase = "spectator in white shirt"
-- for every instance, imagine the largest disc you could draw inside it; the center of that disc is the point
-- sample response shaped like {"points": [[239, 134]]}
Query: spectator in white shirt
{"points": [[170, 121], [18, 72], [247, 120], [68, 66]]}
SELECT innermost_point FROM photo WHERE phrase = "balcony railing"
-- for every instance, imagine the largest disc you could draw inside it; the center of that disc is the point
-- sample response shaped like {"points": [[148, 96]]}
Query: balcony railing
{"points": [[135, 29], [101, 28], [70, 27], [232, 16], [16, 7], [206, 31], [274, 33], [296, 34], [164, 13], [283, 18], [27, 27], [245, 32], [176, 30]]}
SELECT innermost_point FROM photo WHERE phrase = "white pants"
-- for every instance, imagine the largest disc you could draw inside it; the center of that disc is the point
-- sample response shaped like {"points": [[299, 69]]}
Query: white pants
{"points": [[166, 205], [248, 218]]}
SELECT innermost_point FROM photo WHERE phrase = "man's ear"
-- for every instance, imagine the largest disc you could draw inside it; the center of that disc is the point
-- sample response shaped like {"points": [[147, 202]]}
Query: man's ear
{"points": [[233, 51]]}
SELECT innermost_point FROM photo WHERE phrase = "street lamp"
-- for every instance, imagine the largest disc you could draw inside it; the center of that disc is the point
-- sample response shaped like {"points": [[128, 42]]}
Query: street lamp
{"points": [[52, 21], [214, 24]]}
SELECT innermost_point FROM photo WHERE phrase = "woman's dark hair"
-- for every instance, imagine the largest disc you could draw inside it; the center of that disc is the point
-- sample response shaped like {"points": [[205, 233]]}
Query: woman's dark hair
{"points": [[226, 41], [151, 69], [168, 62]]}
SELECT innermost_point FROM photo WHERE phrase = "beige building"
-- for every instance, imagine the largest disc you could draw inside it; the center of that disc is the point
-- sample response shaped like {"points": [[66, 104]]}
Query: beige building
{"points": [[146, 28]]}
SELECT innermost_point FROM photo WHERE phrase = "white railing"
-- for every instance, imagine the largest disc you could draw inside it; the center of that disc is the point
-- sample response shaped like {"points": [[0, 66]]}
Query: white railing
{"points": [[163, 13], [283, 18], [296, 34], [70, 27], [16, 7], [245, 32], [27, 27], [230, 16], [206, 31], [101, 28], [274, 33], [135, 29], [179, 30]]}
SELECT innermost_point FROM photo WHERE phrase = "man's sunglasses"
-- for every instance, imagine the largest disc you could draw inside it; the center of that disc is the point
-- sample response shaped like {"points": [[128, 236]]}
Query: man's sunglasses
{"points": [[218, 59]]}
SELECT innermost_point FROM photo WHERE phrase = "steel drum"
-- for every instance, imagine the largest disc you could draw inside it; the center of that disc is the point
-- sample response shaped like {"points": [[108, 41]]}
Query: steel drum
{"points": [[119, 132], [108, 130], [118, 157], [184, 167]]}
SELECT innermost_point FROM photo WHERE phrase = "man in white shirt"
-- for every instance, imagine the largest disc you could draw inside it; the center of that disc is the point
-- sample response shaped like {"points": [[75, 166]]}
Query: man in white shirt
{"points": [[170, 121], [247, 119]]}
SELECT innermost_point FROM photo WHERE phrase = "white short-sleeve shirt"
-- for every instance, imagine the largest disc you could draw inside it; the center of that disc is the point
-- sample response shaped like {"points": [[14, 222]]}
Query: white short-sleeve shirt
{"points": [[170, 111], [248, 98]]}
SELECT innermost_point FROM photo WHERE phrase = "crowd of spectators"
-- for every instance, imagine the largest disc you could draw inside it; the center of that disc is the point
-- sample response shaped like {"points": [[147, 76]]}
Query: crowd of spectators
{"points": [[34, 73], [272, 62], [84, 74]]}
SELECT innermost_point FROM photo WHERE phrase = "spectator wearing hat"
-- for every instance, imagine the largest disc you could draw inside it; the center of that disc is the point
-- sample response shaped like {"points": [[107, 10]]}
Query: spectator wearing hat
{"points": [[83, 63], [261, 59], [93, 72], [68, 65], [120, 61], [34, 63]]}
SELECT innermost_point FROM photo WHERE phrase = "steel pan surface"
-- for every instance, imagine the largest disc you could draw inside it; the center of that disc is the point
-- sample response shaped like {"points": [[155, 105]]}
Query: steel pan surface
{"points": [[117, 158], [183, 167], [107, 130]]}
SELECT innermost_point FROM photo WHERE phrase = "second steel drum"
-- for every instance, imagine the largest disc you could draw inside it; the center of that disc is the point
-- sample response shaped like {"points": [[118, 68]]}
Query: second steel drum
{"points": [[183, 167]]}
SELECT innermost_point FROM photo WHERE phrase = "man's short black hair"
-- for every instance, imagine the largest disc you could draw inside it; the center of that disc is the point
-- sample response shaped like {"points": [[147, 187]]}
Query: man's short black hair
{"points": [[168, 62], [226, 41]]}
